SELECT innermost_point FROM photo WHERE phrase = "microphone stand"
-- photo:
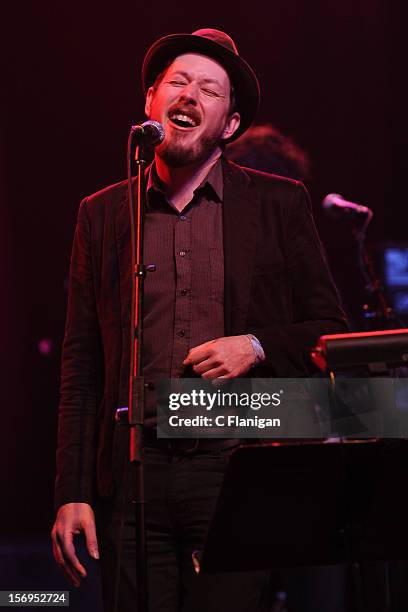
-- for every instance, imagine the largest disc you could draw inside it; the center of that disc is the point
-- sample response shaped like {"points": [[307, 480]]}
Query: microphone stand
{"points": [[382, 310], [135, 410]]}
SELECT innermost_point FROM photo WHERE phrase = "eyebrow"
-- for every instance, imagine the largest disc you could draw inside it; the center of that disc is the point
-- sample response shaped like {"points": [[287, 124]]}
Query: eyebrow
{"points": [[188, 76]]}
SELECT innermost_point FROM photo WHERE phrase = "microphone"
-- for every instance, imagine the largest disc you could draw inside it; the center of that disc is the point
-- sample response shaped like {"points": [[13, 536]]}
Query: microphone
{"points": [[149, 133], [337, 206]]}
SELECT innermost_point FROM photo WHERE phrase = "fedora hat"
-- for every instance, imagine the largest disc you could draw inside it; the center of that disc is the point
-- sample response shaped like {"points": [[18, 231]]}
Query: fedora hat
{"points": [[218, 46]]}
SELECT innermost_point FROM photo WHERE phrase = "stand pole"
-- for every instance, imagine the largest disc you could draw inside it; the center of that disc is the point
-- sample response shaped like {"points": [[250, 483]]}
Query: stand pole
{"points": [[136, 379], [382, 310]]}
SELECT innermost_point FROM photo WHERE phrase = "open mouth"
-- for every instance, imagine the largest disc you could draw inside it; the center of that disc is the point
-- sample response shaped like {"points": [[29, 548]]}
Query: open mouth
{"points": [[183, 120]]}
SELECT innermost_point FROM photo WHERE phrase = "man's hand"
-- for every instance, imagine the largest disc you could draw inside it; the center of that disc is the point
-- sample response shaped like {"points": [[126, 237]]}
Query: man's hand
{"points": [[222, 358], [71, 520]]}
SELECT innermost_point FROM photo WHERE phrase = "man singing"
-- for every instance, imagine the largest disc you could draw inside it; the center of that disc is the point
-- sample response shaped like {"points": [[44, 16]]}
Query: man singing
{"points": [[240, 287]]}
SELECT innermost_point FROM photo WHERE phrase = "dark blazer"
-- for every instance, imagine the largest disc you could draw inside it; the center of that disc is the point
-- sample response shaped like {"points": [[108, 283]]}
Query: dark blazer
{"points": [[277, 286]]}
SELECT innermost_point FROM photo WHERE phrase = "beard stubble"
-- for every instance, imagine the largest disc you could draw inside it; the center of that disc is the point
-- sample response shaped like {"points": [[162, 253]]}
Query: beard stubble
{"points": [[176, 154]]}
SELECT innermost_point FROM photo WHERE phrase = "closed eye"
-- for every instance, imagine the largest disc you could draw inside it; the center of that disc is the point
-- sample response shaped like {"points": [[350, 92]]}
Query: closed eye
{"points": [[210, 92]]}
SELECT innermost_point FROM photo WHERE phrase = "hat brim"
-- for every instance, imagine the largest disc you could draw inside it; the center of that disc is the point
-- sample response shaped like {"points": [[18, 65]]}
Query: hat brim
{"points": [[243, 78]]}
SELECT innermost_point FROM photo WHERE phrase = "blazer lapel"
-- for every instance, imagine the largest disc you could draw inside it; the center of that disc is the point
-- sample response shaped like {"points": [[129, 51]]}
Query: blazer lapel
{"points": [[240, 226]]}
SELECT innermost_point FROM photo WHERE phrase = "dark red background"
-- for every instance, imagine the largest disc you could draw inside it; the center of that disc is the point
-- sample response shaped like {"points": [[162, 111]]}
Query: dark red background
{"points": [[331, 77]]}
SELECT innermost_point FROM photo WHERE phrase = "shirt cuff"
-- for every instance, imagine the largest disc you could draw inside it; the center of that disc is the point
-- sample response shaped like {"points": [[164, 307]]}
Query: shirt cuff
{"points": [[258, 350]]}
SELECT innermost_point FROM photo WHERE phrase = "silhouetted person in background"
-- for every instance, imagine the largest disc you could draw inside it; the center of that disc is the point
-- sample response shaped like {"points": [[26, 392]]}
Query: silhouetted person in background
{"points": [[263, 147]]}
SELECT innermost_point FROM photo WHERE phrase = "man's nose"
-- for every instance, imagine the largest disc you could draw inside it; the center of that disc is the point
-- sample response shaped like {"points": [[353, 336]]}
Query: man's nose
{"points": [[189, 94]]}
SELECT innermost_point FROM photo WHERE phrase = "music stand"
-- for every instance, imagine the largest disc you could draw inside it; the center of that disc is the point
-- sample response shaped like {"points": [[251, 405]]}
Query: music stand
{"points": [[317, 504], [310, 504]]}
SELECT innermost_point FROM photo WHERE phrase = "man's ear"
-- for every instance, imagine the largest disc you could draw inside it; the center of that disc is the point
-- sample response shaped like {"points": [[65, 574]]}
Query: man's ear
{"points": [[149, 99], [231, 126]]}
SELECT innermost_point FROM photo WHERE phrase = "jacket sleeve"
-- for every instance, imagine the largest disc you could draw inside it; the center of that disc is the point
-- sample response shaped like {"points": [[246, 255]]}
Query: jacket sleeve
{"points": [[314, 301], [81, 376]]}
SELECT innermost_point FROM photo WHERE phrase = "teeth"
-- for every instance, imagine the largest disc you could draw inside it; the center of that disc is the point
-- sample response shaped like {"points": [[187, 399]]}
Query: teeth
{"points": [[184, 118]]}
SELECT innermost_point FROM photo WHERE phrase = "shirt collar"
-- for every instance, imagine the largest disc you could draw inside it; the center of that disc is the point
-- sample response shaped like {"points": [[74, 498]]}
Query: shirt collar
{"points": [[214, 181]]}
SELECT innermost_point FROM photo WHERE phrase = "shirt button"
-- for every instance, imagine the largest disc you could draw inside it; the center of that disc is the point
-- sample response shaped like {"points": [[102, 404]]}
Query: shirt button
{"points": [[181, 333], [182, 253], [183, 217], [183, 292]]}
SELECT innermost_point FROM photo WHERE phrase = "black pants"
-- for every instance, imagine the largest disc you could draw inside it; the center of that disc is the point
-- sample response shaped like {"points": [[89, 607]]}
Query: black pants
{"points": [[181, 491]]}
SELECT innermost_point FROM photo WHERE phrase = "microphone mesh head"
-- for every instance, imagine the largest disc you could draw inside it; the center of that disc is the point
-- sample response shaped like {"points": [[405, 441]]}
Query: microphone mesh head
{"points": [[155, 132], [331, 199]]}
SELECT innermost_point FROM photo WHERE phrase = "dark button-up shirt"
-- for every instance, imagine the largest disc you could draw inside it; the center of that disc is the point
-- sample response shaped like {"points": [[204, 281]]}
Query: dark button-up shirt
{"points": [[184, 297]]}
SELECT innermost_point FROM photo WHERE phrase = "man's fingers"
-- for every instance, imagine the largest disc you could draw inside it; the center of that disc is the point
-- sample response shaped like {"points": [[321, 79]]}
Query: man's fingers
{"points": [[220, 381], [214, 373], [199, 353], [204, 366], [91, 541], [68, 550], [70, 575], [72, 518]]}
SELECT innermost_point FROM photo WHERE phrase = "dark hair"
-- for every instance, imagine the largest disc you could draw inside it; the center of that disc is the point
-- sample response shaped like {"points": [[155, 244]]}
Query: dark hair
{"points": [[160, 76], [264, 147]]}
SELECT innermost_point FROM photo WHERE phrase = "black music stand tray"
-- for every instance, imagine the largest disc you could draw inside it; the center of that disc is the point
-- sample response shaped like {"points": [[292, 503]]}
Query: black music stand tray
{"points": [[310, 504]]}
